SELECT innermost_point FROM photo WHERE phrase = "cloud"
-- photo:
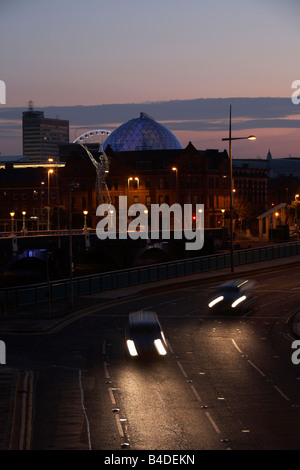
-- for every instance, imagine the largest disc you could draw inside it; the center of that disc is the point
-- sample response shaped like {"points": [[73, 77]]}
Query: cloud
{"points": [[202, 115], [185, 110]]}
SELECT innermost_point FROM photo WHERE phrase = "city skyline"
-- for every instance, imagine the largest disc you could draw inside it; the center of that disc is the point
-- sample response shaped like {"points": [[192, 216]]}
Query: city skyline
{"points": [[115, 53]]}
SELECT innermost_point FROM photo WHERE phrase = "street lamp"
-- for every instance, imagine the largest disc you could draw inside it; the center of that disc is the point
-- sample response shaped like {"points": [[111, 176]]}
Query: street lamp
{"points": [[85, 213], [50, 160], [230, 138], [42, 207], [223, 217], [128, 183], [24, 221], [12, 214], [176, 170], [72, 186], [138, 187], [48, 217], [128, 186], [296, 209]]}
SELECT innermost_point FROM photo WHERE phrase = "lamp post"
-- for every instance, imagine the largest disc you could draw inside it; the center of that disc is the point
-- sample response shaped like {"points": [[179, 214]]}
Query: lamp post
{"points": [[230, 139], [57, 195], [296, 209], [48, 217], [85, 213], [138, 187], [42, 196], [72, 186], [12, 214], [24, 221], [223, 217], [176, 171], [128, 184]]}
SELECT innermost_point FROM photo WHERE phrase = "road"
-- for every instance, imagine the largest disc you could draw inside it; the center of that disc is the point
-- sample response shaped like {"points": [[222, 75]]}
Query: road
{"points": [[227, 383]]}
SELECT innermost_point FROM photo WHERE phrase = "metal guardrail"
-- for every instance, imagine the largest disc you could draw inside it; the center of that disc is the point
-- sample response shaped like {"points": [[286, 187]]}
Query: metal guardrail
{"points": [[44, 233], [21, 296]]}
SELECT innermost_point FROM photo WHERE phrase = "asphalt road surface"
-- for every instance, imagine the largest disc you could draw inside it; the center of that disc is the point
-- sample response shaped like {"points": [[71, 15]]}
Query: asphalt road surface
{"points": [[228, 382]]}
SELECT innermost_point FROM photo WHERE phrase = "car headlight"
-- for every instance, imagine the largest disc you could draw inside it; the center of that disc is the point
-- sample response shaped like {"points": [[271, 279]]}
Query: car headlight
{"points": [[131, 348], [215, 301], [238, 301], [160, 347]]}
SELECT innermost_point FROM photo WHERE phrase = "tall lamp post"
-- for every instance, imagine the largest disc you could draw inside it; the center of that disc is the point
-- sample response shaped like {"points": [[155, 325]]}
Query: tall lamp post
{"points": [[176, 170], [48, 217], [128, 189], [50, 160], [230, 139], [72, 186], [223, 217], [12, 214], [138, 187], [296, 209], [85, 213], [24, 221]]}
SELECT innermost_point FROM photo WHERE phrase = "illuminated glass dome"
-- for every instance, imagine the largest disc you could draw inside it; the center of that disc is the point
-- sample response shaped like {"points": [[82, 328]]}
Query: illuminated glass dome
{"points": [[141, 133]]}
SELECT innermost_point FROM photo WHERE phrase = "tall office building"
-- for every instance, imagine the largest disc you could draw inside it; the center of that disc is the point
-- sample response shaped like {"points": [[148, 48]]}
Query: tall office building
{"points": [[42, 135]]}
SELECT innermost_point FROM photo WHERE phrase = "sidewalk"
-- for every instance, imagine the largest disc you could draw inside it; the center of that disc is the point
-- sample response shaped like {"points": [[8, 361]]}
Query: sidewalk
{"points": [[38, 319]]}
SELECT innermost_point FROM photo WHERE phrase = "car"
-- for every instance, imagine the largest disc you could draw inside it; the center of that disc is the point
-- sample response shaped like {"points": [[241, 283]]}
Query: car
{"points": [[144, 335], [234, 296]]}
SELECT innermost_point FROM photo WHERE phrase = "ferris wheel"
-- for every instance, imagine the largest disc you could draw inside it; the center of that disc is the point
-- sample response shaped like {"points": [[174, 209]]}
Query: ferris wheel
{"points": [[92, 136]]}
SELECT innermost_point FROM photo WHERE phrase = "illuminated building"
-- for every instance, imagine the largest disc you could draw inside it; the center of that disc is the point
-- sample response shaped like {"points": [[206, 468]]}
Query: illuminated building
{"points": [[42, 136]]}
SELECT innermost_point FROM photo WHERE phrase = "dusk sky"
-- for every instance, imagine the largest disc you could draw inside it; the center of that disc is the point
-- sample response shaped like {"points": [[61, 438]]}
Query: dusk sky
{"points": [[95, 52]]}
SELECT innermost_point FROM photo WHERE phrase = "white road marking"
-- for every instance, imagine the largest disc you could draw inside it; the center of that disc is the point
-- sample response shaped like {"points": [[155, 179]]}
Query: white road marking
{"points": [[182, 369], [170, 347], [111, 394], [107, 376], [255, 367], [119, 425], [236, 346], [281, 393], [196, 393], [84, 412], [213, 422]]}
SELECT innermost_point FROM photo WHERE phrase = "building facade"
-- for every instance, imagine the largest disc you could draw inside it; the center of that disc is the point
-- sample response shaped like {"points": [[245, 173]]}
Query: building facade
{"points": [[42, 136], [184, 176], [146, 163]]}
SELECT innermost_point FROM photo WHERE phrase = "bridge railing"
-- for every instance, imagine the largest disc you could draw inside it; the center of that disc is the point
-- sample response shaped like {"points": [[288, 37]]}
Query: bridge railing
{"points": [[21, 296], [44, 233]]}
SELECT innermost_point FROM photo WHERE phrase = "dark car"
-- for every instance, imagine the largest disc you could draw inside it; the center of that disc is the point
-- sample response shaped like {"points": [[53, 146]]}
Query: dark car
{"points": [[234, 296], [144, 335]]}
